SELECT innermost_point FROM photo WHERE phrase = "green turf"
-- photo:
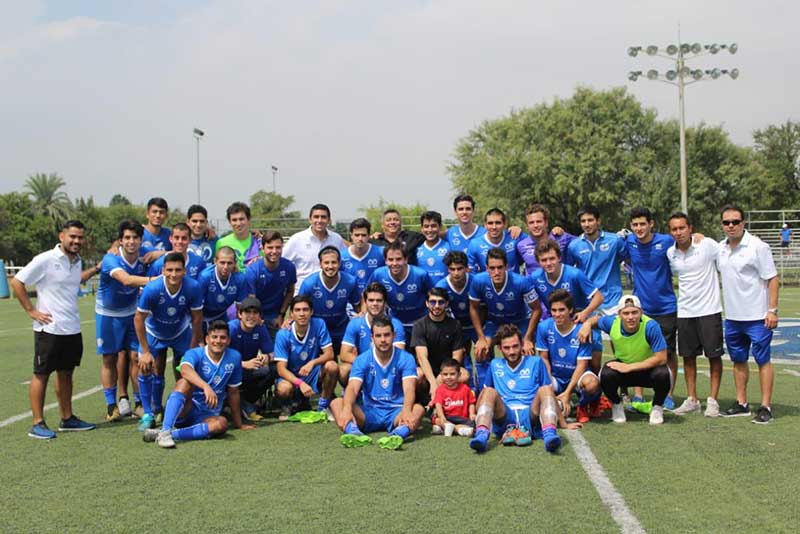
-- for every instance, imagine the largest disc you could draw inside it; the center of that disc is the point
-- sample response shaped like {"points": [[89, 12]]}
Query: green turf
{"points": [[690, 475]]}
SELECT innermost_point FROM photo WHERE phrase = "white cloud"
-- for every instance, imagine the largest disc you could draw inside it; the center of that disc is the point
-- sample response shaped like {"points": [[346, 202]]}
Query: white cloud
{"points": [[48, 34]]}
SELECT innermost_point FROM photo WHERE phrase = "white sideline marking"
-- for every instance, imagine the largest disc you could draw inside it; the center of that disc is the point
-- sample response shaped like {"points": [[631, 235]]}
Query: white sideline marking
{"points": [[620, 512], [20, 417], [792, 372]]}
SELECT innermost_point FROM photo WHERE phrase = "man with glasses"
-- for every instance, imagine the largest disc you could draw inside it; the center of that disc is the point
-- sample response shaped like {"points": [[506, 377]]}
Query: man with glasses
{"points": [[750, 293]]}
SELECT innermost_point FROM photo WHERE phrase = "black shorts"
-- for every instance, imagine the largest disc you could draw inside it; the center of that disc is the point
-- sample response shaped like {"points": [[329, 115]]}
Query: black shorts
{"points": [[699, 335], [669, 327], [52, 352], [784, 244]]}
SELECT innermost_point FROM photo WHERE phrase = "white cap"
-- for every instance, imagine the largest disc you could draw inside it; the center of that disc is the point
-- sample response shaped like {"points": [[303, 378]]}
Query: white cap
{"points": [[786, 225], [629, 300]]}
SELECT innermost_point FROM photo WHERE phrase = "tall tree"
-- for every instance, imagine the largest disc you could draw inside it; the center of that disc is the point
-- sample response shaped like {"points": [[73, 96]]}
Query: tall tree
{"points": [[778, 149], [48, 198], [119, 200], [410, 214]]}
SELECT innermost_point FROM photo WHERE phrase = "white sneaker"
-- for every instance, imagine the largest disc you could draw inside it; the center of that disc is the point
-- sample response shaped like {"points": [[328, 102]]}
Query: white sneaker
{"points": [[618, 413], [688, 406], [329, 413], [164, 440], [657, 415], [466, 431], [437, 430], [124, 406], [712, 408]]}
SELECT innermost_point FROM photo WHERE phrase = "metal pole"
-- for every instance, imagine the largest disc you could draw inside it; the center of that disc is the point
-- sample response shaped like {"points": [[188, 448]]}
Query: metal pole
{"points": [[684, 186], [273, 181], [198, 168]]}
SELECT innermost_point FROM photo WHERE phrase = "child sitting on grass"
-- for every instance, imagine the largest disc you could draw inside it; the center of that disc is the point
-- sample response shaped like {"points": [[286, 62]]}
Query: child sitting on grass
{"points": [[454, 403]]}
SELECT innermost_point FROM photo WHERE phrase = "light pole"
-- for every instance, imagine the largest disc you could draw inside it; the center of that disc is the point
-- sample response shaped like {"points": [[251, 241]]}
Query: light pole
{"points": [[274, 173], [198, 134], [681, 53]]}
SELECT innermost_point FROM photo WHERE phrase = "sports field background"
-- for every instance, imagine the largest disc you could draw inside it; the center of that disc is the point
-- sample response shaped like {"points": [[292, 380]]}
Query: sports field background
{"points": [[690, 475]]}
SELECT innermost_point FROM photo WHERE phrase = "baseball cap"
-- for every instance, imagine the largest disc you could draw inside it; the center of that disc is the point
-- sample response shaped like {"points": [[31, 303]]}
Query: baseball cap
{"points": [[629, 300], [250, 302]]}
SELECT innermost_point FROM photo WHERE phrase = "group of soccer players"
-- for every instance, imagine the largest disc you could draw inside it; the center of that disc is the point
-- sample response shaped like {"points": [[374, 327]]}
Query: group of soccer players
{"points": [[408, 323]]}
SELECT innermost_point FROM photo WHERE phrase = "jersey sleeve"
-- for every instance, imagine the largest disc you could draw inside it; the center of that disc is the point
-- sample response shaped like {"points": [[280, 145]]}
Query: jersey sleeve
{"points": [[236, 376], [473, 261], [399, 332], [475, 289], [355, 295], [196, 298], [242, 288], [541, 337], [292, 270], [148, 299], [488, 380], [652, 332], [282, 346], [408, 366], [306, 286], [585, 349], [605, 323], [359, 369], [542, 374], [267, 345], [324, 335], [190, 358], [34, 271], [438, 397], [351, 333], [110, 264], [528, 288], [586, 286]]}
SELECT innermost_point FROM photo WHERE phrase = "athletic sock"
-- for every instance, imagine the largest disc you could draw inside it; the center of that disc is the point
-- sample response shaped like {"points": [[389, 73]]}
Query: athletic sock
{"points": [[352, 428], [136, 399], [403, 431], [549, 429], [175, 403], [323, 404], [198, 431], [146, 392], [111, 395], [158, 393]]}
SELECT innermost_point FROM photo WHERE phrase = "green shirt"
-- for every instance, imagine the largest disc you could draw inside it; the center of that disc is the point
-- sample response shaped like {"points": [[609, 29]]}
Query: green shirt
{"points": [[632, 348], [239, 246]]}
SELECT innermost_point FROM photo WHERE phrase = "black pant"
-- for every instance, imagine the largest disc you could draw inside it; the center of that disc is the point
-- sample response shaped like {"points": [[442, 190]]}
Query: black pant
{"points": [[657, 378], [256, 381]]}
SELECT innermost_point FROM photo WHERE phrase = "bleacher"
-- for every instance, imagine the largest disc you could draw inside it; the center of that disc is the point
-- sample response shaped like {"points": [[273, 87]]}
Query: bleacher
{"points": [[767, 225]]}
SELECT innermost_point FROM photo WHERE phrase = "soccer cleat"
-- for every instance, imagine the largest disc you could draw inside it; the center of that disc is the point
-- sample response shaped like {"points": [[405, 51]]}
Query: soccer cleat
{"points": [[147, 421], [657, 415], [582, 413], [73, 424], [391, 442], [286, 413], [618, 413], [114, 416], [480, 441], [522, 437], [763, 416], [737, 410], [712, 408], [150, 434], [669, 403], [629, 405], [165, 440], [329, 415], [688, 406], [552, 441], [308, 416], [160, 417], [138, 411], [605, 404], [124, 406], [596, 409], [351, 441], [437, 430], [642, 407], [252, 417], [40, 431], [508, 437]]}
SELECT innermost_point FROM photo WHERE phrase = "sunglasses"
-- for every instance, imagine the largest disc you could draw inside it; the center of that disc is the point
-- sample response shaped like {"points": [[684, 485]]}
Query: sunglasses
{"points": [[731, 222], [437, 302]]}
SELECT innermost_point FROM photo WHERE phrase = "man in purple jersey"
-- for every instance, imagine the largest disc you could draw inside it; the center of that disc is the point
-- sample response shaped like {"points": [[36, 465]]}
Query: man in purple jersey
{"points": [[537, 219]]}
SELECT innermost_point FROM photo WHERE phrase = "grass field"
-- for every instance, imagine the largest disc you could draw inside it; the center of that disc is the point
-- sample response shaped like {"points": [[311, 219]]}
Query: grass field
{"points": [[691, 475]]}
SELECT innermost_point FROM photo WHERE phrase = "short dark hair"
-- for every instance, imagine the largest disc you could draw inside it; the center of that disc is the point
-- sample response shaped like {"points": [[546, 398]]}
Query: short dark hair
{"points": [[732, 207], [174, 257], [538, 208], [496, 253], [329, 249], [237, 207], [451, 363], [158, 202], [495, 211], [376, 287], [680, 215], [390, 210], [316, 207], [297, 299], [219, 324], [269, 236], [560, 295], [457, 257], [640, 211], [130, 225], [548, 246], [73, 223], [588, 209], [226, 250], [434, 216], [395, 245], [381, 321], [361, 222], [181, 227], [463, 198], [196, 208], [439, 292], [506, 331]]}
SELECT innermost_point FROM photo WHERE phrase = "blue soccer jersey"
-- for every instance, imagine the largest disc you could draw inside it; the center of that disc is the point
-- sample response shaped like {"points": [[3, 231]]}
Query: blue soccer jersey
{"points": [[382, 386], [194, 266], [407, 297], [564, 350], [359, 333], [169, 314], [458, 241], [652, 276], [362, 267], [479, 248], [431, 260], [572, 279], [270, 286], [459, 300], [330, 304], [249, 344], [204, 248], [151, 242], [297, 352], [520, 384], [114, 299], [600, 262], [225, 373], [219, 295], [509, 304]]}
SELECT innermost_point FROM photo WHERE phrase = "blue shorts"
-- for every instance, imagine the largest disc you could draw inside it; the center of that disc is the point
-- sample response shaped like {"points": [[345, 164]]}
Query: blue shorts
{"points": [[482, 372], [179, 344], [516, 414], [741, 335], [198, 414], [115, 334], [312, 378], [560, 384], [376, 419]]}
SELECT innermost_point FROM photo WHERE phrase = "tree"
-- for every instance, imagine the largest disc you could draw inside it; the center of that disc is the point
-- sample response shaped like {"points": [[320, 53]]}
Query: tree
{"points": [[778, 150], [23, 233], [48, 199], [409, 214], [269, 205], [119, 200]]}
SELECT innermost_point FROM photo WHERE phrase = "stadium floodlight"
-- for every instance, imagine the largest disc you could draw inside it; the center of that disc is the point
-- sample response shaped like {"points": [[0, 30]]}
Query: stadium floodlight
{"points": [[686, 72], [714, 73], [672, 50], [634, 75], [274, 173], [732, 48], [633, 50], [714, 48], [697, 48], [671, 75], [685, 48], [198, 134], [652, 50], [652, 74], [697, 74], [734, 73]]}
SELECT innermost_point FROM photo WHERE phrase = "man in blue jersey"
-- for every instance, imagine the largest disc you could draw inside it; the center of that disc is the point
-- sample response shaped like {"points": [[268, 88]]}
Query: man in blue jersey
{"points": [[537, 219], [221, 286], [406, 286], [457, 283], [155, 239], [204, 241], [509, 297], [304, 356], [271, 280], [169, 315], [331, 292], [517, 398], [210, 375], [379, 394], [121, 276], [361, 258], [568, 359], [460, 236], [179, 241], [496, 236], [358, 335], [430, 254], [251, 339]]}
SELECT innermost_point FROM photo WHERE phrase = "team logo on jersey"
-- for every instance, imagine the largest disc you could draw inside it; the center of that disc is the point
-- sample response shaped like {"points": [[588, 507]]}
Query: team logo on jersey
{"points": [[509, 246], [488, 294], [329, 304], [565, 285], [217, 379], [562, 352], [525, 373], [181, 300], [255, 336], [303, 355], [385, 383], [430, 262], [171, 311], [510, 295], [99, 341], [206, 369], [372, 262], [361, 273], [212, 288], [551, 339], [232, 290], [411, 288], [456, 241], [161, 299], [511, 383], [401, 297], [453, 403], [462, 305], [282, 274], [228, 367], [342, 293], [500, 306], [659, 246], [542, 288], [442, 252], [317, 294], [220, 298], [603, 247], [347, 265], [574, 343], [499, 373]]}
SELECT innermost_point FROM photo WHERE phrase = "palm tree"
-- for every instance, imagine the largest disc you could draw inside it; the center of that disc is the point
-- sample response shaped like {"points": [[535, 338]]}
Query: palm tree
{"points": [[47, 198]]}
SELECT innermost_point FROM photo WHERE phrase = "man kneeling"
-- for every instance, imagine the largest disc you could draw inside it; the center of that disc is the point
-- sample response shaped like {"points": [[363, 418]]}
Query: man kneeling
{"points": [[200, 418], [517, 392]]}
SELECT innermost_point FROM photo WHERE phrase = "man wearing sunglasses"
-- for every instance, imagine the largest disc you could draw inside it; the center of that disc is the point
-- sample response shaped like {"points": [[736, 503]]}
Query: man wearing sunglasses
{"points": [[750, 293]]}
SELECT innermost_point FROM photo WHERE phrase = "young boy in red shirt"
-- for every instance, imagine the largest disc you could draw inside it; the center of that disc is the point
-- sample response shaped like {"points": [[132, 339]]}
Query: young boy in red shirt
{"points": [[454, 402]]}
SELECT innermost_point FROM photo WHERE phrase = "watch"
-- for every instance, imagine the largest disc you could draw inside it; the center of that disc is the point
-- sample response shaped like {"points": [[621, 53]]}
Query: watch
{"points": [[773, 310]]}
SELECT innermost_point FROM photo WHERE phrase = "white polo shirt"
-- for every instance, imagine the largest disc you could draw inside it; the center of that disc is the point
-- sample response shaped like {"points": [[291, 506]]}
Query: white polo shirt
{"points": [[698, 284], [745, 271], [57, 282], [302, 250]]}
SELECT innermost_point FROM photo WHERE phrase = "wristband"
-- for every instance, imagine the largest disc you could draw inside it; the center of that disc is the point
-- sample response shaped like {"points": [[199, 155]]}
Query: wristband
{"points": [[297, 383]]}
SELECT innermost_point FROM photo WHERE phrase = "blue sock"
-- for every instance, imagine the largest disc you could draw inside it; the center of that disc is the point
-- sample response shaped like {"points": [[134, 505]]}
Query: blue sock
{"points": [[175, 403], [587, 399], [352, 428], [110, 394], [403, 431], [199, 431], [136, 398], [146, 392], [158, 393], [323, 404]]}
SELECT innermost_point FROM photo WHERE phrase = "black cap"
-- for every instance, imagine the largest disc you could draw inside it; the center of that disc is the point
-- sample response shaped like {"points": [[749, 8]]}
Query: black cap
{"points": [[250, 303]]}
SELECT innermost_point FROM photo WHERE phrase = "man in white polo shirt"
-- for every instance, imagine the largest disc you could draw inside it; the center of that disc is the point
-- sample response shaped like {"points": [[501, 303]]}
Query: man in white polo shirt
{"points": [[303, 248], [58, 345], [699, 310], [750, 291]]}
